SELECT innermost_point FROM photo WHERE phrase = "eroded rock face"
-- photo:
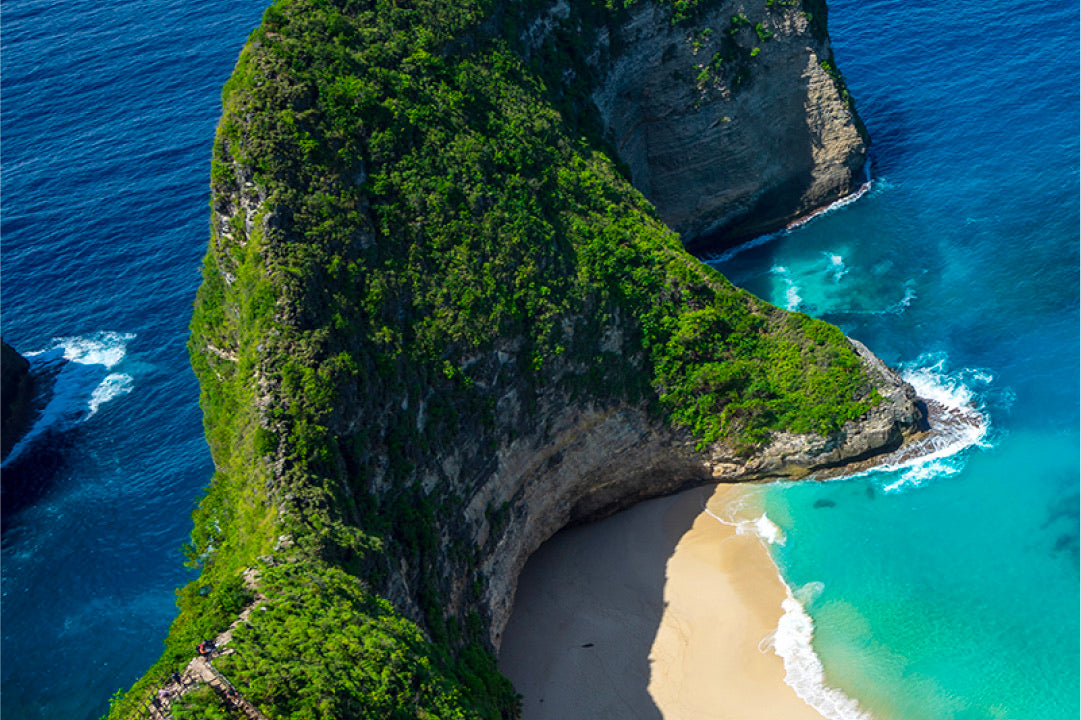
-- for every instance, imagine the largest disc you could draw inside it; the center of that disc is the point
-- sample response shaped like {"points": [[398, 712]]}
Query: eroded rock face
{"points": [[734, 126], [584, 461], [597, 461]]}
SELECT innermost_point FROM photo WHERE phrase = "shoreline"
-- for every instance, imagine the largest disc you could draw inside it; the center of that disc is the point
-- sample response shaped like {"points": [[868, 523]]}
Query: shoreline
{"points": [[717, 256], [662, 611]]}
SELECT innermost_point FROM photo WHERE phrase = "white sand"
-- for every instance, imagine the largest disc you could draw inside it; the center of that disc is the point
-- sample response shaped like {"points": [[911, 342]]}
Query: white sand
{"points": [[657, 612]]}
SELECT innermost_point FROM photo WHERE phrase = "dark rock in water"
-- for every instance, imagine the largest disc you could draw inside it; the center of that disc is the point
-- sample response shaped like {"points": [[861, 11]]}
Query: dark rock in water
{"points": [[824, 503], [16, 395]]}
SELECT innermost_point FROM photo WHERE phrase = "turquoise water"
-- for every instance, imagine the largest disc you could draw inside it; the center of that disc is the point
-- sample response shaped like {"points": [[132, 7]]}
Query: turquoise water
{"points": [[948, 589], [956, 589]]}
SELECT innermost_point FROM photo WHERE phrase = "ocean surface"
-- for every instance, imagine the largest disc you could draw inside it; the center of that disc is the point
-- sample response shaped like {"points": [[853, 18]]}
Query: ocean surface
{"points": [[944, 589], [108, 115]]}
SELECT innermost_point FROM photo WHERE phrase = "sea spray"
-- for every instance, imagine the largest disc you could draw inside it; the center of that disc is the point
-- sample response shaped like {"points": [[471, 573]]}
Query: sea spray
{"points": [[958, 422], [78, 381], [793, 643]]}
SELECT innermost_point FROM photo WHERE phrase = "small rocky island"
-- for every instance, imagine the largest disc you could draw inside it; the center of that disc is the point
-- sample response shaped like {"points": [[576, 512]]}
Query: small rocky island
{"points": [[447, 310], [16, 397]]}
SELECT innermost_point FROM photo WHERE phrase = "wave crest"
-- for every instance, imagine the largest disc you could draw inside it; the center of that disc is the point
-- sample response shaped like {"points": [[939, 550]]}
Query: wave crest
{"points": [[958, 418], [792, 642], [76, 371]]}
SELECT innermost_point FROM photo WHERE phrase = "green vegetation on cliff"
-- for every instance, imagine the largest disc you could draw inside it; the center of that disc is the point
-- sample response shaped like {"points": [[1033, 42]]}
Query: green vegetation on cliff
{"points": [[400, 197]]}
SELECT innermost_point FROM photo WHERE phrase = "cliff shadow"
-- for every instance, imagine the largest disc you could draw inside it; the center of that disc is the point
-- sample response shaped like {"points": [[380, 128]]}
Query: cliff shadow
{"points": [[588, 609]]}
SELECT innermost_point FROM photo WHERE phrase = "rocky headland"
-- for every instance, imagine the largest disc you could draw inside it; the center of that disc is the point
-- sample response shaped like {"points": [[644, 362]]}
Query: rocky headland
{"points": [[445, 314]]}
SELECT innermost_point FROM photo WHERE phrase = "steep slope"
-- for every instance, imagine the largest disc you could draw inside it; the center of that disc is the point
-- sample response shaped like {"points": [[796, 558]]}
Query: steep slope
{"points": [[437, 324], [746, 107]]}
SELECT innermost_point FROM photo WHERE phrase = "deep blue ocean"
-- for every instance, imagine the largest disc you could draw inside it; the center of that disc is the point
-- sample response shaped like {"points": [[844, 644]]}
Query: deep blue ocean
{"points": [[948, 589]]}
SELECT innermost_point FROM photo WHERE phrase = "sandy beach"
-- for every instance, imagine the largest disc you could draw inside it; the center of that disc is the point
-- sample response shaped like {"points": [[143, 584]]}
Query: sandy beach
{"points": [[656, 613]]}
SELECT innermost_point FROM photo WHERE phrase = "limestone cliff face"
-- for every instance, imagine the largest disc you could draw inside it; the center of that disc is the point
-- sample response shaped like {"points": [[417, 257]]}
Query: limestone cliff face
{"points": [[734, 126], [584, 461], [437, 324], [729, 124]]}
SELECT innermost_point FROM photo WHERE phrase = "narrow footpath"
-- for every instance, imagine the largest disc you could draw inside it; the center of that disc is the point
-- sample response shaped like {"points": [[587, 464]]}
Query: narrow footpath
{"points": [[201, 671]]}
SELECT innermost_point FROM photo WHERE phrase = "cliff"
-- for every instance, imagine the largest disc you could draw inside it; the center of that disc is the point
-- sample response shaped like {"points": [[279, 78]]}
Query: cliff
{"points": [[16, 396], [438, 322], [746, 107]]}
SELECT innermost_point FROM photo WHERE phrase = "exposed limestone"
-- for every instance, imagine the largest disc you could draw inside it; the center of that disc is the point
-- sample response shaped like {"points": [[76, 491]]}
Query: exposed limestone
{"points": [[594, 461], [758, 143], [736, 146]]}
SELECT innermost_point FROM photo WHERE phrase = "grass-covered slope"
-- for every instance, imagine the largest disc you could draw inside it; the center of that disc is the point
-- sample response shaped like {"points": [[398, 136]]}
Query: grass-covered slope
{"points": [[398, 197]]}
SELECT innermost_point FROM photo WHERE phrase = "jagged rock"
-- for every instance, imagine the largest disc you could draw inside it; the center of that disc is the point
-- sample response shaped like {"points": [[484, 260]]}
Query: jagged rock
{"points": [[754, 145], [16, 394]]}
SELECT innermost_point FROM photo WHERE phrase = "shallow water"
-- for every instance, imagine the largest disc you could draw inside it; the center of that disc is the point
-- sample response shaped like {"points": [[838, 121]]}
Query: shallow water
{"points": [[949, 589], [957, 589]]}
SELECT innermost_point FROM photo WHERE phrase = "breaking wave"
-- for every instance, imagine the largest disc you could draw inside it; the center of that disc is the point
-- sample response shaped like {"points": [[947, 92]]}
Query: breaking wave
{"points": [[77, 376], [956, 413], [792, 642]]}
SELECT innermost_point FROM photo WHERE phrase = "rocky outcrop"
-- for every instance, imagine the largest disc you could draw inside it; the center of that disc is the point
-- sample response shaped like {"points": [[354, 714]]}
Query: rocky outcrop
{"points": [[437, 324], [733, 126], [588, 461], [16, 394]]}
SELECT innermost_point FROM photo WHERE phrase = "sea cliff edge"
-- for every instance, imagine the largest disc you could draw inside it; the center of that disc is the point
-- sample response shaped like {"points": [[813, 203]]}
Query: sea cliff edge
{"points": [[444, 314]]}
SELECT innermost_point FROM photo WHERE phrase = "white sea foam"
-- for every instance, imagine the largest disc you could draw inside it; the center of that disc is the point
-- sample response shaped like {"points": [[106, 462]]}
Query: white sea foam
{"points": [[103, 348], [863, 189], [843, 202], [75, 374], [901, 305], [761, 527], [792, 642], [792, 298], [113, 386], [723, 257], [957, 419], [836, 267]]}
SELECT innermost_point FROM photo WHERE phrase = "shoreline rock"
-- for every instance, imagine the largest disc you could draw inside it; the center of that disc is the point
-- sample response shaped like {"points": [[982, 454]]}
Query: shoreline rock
{"points": [[16, 397], [766, 133]]}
